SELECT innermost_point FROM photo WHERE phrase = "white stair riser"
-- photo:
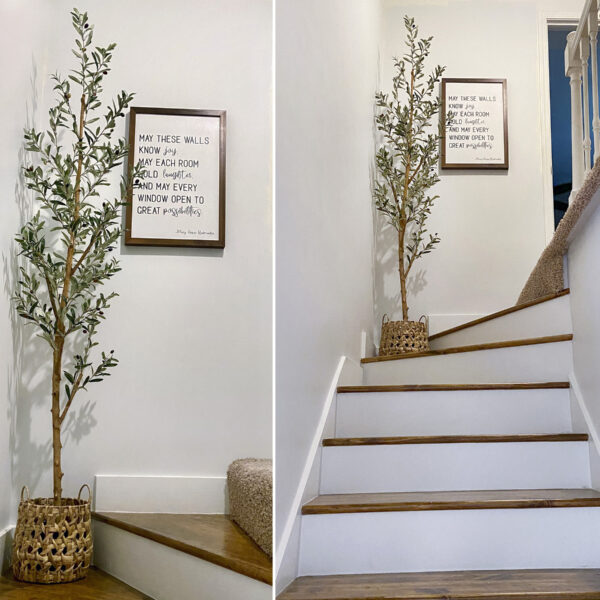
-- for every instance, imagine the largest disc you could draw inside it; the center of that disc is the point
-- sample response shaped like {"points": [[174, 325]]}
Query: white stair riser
{"points": [[167, 574], [548, 318], [453, 413], [517, 364], [438, 467], [450, 540]]}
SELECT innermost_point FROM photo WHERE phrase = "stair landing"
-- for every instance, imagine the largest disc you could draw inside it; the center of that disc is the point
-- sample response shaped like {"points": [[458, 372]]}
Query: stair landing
{"points": [[540, 584], [96, 586], [214, 538]]}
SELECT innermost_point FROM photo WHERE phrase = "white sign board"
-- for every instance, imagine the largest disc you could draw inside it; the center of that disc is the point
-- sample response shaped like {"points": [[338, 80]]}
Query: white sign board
{"points": [[180, 201], [477, 137]]}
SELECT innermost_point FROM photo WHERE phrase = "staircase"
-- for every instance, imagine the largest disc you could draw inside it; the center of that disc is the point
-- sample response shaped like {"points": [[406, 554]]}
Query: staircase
{"points": [[456, 473], [181, 556], [167, 536]]}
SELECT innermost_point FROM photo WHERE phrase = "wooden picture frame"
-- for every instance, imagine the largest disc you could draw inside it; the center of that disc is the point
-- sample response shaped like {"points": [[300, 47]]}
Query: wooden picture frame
{"points": [[181, 200], [480, 105]]}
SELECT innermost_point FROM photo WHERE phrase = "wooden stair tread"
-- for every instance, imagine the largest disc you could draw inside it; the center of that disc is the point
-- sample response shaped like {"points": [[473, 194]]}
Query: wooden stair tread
{"points": [[549, 339], [456, 439], [500, 313], [455, 500], [96, 586], [449, 387], [537, 584], [214, 538]]}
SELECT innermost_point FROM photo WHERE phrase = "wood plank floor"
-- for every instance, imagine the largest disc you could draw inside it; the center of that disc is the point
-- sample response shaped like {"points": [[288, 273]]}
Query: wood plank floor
{"points": [[546, 584], [97, 586], [214, 538], [463, 500]]}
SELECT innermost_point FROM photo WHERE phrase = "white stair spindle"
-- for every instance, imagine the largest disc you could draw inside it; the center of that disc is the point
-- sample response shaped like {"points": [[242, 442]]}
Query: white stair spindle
{"points": [[573, 71], [593, 28], [587, 142]]}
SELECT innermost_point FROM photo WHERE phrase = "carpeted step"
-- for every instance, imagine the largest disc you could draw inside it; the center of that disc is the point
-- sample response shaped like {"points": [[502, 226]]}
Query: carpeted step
{"points": [[250, 484], [547, 276]]}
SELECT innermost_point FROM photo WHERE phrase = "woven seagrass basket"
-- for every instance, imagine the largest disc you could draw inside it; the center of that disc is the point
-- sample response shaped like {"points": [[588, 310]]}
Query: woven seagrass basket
{"points": [[403, 337], [53, 544]]}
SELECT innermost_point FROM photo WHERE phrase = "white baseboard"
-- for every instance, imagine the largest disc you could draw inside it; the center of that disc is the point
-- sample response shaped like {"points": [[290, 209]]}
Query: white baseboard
{"points": [[582, 420], [162, 494], [348, 372], [6, 539], [288, 563]]}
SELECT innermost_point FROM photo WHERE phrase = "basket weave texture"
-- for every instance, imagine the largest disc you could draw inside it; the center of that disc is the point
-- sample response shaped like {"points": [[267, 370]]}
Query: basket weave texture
{"points": [[403, 337], [53, 544]]}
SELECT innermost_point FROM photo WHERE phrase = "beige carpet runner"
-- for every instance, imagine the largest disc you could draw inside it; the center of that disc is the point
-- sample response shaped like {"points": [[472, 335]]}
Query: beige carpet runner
{"points": [[547, 277], [250, 483]]}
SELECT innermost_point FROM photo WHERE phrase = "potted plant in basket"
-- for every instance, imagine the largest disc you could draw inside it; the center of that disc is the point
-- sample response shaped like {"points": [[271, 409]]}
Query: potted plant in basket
{"points": [[406, 168], [67, 256]]}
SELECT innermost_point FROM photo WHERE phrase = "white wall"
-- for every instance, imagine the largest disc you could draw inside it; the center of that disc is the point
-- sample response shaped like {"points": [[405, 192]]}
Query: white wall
{"points": [[21, 60], [326, 78], [584, 281], [192, 327], [491, 223]]}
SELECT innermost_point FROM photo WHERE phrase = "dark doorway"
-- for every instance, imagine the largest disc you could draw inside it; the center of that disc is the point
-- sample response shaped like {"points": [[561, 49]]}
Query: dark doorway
{"points": [[560, 119]]}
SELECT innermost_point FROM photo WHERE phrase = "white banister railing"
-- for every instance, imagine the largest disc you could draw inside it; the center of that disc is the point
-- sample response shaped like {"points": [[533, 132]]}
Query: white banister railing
{"points": [[581, 47]]}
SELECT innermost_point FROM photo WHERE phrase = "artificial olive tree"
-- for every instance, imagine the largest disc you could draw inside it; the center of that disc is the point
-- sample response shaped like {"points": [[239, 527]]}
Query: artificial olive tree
{"points": [[407, 159], [68, 246]]}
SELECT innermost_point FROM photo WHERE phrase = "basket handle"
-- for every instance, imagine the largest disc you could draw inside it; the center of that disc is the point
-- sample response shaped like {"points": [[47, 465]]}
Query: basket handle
{"points": [[25, 489], [85, 485], [383, 319], [426, 322]]}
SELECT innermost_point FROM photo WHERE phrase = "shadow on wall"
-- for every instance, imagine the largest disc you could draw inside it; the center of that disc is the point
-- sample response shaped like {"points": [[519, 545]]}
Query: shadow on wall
{"points": [[29, 372]]}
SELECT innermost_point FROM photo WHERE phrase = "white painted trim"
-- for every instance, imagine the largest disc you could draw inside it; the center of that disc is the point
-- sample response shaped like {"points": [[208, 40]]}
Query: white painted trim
{"points": [[545, 19], [161, 493], [288, 565], [6, 537], [576, 391], [309, 464], [545, 128]]}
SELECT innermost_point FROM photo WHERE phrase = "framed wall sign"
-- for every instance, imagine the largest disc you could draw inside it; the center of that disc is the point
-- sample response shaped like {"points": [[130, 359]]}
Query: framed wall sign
{"points": [[478, 136], [181, 199]]}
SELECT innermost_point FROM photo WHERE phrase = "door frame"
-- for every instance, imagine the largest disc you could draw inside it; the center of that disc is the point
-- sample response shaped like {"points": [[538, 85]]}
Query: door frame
{"points": [[546, 21]]}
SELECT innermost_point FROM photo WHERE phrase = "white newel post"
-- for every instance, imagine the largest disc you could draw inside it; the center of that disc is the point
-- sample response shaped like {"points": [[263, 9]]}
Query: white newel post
{"points": [[593, 28], [573, 72]]}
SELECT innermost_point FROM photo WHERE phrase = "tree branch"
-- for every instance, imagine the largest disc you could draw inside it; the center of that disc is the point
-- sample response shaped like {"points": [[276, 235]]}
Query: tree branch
{"points": [[52, 301], [74, 390]]}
